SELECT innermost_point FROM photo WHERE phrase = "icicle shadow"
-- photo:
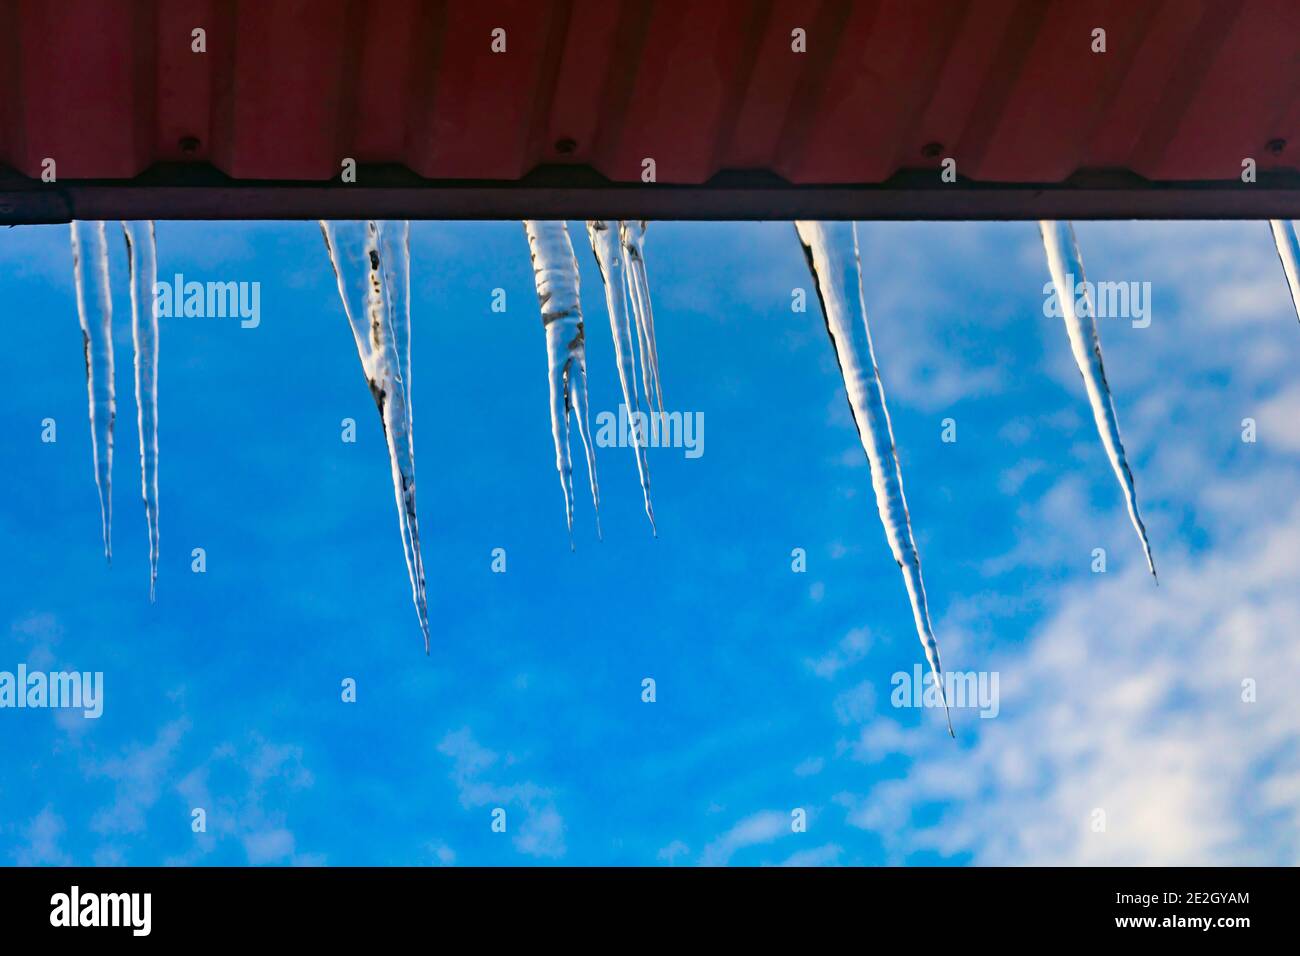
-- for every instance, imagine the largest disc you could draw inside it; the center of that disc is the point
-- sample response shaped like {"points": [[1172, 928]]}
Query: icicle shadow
{"points": [[1066, 267], [831, 249], [371, 263]]}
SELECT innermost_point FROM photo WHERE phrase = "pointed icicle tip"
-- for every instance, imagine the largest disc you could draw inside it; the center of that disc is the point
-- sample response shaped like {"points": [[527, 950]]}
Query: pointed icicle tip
{"points": [[615, 274], [831, 251], [555, 275], [95, 313], [141, 259], [372, 266], [1066, 267], [632, 237]]}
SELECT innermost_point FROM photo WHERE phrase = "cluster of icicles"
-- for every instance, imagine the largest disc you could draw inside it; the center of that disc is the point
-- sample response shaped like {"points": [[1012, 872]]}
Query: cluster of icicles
{"points": [[372, 265]]}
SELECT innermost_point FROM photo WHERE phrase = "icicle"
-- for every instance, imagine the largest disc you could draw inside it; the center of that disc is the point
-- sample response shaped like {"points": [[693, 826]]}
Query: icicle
{"points": [[372, 266], [555, 273], [632, 235], [605, 244], [1066, 267], [831, 249], [95, 311], [142, 262], [1288, 250]]}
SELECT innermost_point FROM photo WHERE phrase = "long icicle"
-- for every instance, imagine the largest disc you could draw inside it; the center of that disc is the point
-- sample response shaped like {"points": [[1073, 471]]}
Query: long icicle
{"points": [[95, 312], [142, 263], [831, 249], [1066, 267], [372, 267], [555, 274], [1288, 250], [606, 246], [632, 235], [395, 258]]}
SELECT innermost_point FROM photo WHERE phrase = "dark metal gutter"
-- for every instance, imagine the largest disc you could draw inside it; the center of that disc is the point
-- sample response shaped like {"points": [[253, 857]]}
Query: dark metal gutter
{"points": [[194, 191]]}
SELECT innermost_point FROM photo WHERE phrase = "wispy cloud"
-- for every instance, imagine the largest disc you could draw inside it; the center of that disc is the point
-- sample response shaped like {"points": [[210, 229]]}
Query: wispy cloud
{"points": [[139, 776], [851, 648], [42, 834], [1128, 734], [254, 781], [670, 853], [541, 834], [828, 854], [764, 827]]}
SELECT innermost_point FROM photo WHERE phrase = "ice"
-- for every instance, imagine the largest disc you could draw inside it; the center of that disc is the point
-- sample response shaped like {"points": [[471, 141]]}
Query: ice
{"points": [[632, 234], [831, 249], [606, 246], [95, 311], [371, 263], [555, 273], [142, 263], [1064, 262], [1288, 250]]}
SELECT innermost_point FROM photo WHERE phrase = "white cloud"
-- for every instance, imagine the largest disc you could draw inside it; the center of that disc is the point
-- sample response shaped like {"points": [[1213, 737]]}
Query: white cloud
{"points": [[441, 853], [268, 846], [541, 833], [41, 633], [826, 855], [855, 704], [139, 775], [760, 828], [249, 781], [1279, 420], [672, 851], [1127, 700], [850, 649], [42, 834], [1125, 697], [810, 767]]}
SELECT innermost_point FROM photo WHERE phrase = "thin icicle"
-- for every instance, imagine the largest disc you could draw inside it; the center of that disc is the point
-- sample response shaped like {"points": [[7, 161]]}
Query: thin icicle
{"points": [[831, 249], [142, 263], [605, 244], [555, 273], [1066, 266], [372, 266], [1288, 250], [95, 312], [632, 235]]}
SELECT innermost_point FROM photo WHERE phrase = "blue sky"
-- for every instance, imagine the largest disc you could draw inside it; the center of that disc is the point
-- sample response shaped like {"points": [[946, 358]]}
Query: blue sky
{"points": [[773, 687]]}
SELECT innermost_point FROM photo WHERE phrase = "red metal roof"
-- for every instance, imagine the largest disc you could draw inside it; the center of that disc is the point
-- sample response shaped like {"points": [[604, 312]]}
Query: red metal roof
{"points": [[1009, 88]]}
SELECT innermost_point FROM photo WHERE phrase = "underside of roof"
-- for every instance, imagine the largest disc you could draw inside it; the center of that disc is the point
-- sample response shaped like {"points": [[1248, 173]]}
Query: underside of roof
{"points": [[747, 109]]}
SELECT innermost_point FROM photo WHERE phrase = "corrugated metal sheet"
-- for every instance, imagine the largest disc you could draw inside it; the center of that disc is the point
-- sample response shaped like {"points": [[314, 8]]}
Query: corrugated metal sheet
{"points": [[1010, 88]]}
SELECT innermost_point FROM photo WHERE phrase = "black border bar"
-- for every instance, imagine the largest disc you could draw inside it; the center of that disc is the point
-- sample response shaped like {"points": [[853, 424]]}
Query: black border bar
{"points": [[956, 906]]}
